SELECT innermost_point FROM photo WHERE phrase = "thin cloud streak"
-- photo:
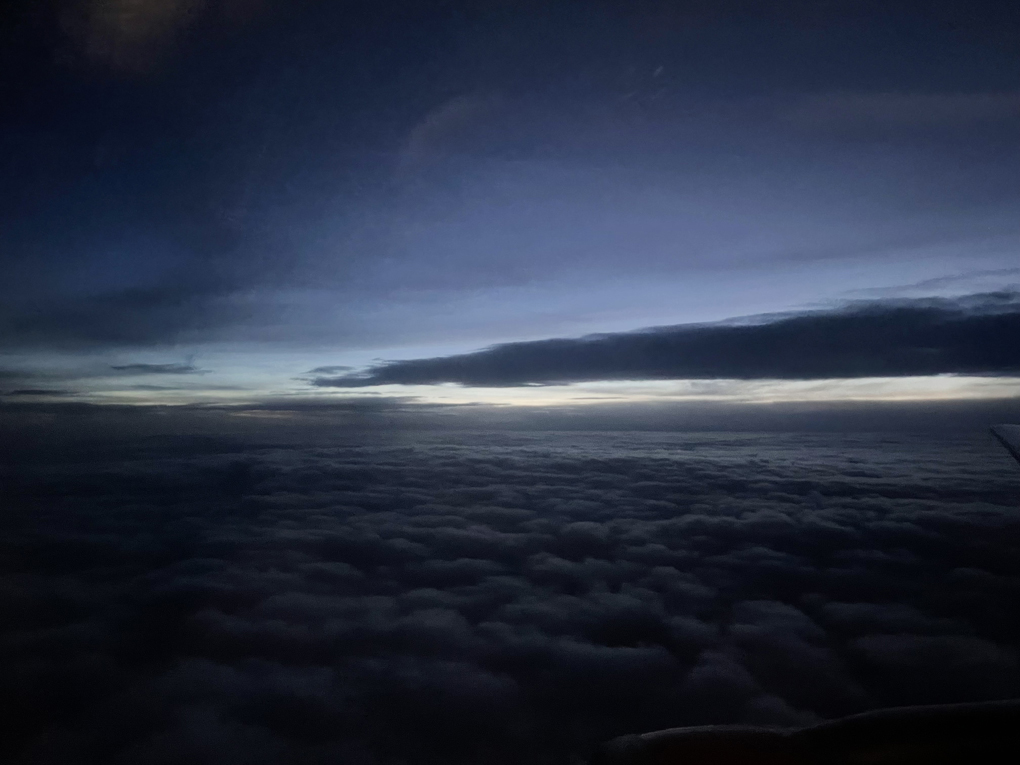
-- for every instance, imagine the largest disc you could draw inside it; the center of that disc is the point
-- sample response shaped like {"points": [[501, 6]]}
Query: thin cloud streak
{"points": [[157, 369]]}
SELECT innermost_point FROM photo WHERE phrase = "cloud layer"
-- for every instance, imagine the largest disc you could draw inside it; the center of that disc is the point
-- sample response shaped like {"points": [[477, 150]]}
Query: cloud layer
{"points": [[502, 599], [877, 339]]}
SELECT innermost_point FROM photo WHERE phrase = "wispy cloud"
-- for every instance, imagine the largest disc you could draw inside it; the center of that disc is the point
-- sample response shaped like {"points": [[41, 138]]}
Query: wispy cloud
{"points": [[329, 370], [39, 392], [157, 369]]}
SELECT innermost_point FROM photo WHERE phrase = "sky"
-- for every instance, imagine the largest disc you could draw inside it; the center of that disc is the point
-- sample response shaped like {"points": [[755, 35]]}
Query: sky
{"points": [[438, 383], [218, 202]]}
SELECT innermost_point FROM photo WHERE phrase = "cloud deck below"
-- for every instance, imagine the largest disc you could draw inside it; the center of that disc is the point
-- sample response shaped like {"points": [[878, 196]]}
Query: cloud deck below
{"points": [[513, 598]]}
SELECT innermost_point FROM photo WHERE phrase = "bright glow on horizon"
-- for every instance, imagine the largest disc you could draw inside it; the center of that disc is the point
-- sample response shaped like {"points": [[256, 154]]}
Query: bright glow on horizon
{"points": [[929, 388]]}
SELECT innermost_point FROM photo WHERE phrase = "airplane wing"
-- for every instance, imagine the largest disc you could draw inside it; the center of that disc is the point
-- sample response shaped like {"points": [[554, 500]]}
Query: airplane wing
{"points": [[949, 734], [1009, 436]]}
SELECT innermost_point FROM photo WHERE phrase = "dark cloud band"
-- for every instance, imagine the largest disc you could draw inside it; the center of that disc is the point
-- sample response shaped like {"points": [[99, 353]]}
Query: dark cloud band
{"points": [[976, 335], [157, 369]]}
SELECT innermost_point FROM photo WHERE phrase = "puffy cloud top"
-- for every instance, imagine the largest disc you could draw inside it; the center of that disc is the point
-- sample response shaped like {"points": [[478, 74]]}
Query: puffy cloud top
{"points": [[520, 598]]}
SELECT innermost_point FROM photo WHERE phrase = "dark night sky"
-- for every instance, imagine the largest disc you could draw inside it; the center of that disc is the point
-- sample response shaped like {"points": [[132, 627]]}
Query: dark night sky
{"points": [[253, 190]]}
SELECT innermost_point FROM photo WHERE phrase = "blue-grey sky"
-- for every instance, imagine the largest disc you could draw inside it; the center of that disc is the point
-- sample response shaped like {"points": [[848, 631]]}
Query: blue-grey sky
{"points": [[209, 200]]}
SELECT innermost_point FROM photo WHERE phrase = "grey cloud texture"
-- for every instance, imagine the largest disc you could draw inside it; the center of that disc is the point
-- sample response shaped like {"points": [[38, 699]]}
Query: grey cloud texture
{"points": [[975, 335], [513, 598]]}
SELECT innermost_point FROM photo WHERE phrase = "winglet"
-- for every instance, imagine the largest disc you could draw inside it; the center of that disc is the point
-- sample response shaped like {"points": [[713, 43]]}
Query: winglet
{"points": [[1009, 436]]}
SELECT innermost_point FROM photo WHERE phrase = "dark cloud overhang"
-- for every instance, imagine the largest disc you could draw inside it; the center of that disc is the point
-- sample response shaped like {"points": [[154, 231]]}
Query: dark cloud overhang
{"points": [[977, 335]]}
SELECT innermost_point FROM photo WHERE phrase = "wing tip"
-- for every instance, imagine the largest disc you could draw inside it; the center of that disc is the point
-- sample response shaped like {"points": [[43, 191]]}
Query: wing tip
{"points": [[1009, 437]]}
